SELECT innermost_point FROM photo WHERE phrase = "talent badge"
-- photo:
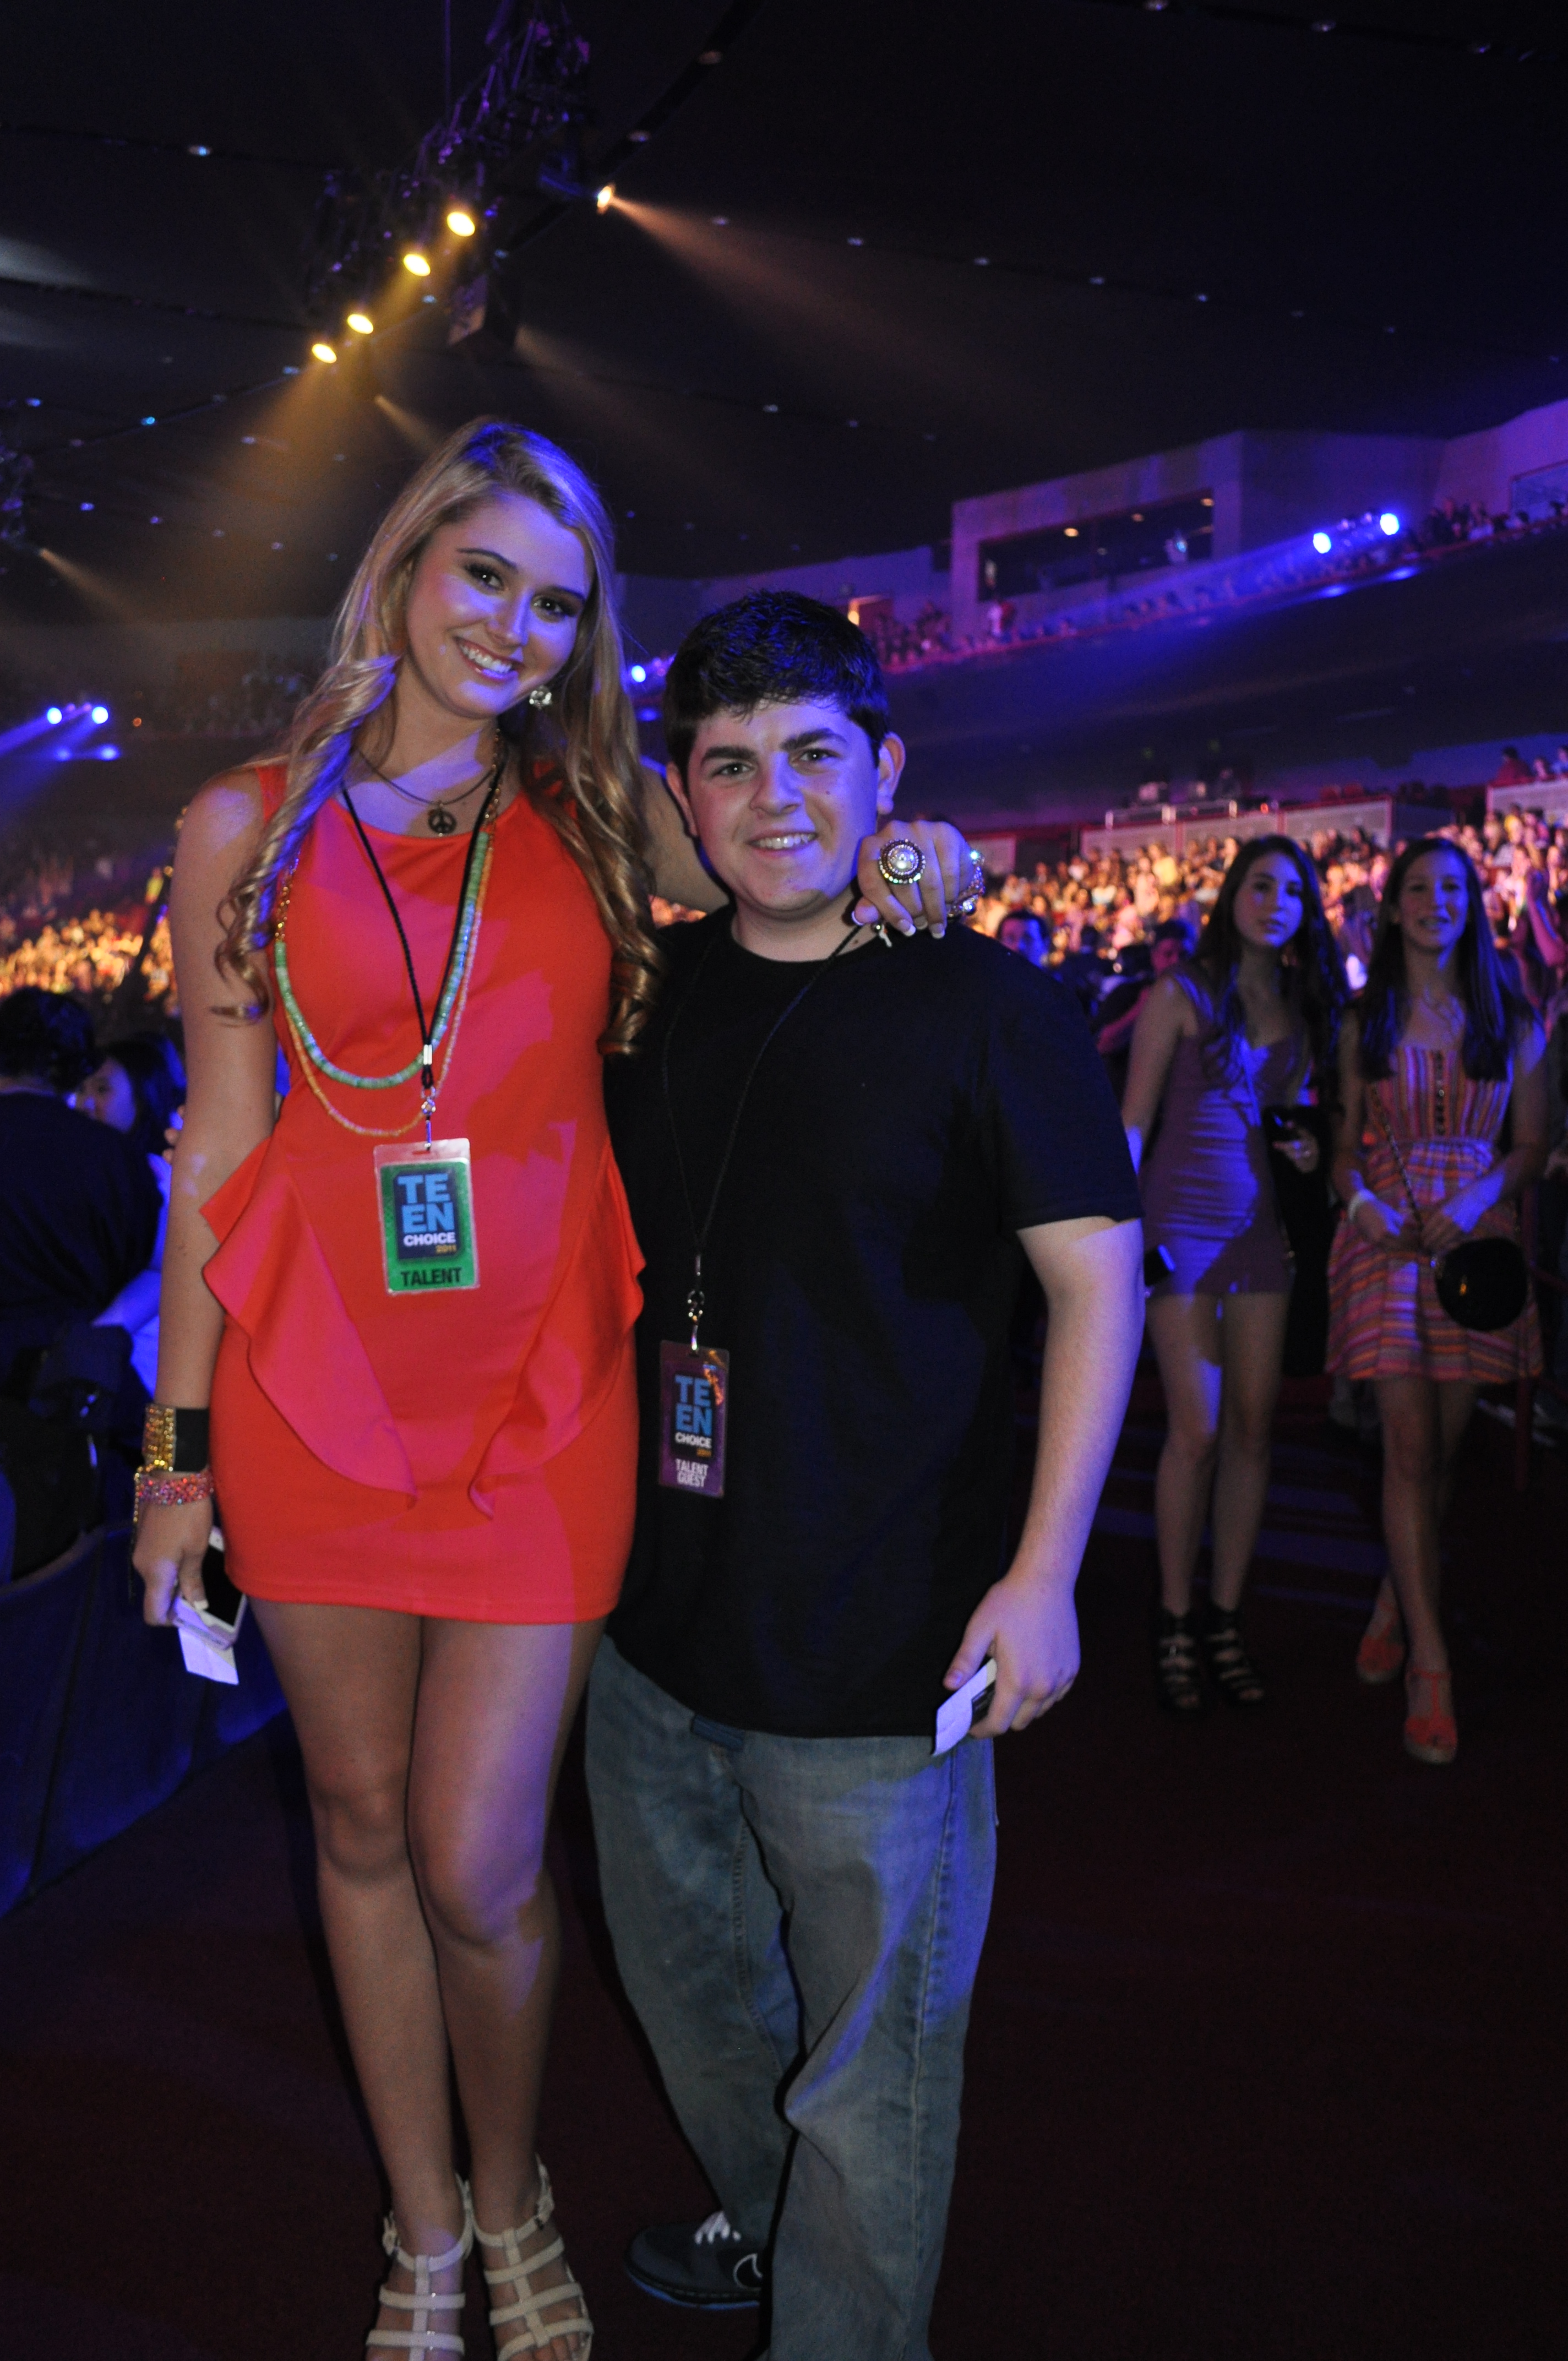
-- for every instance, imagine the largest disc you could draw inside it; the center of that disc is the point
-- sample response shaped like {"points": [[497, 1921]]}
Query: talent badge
{"points": [[694, 1388], [426, 1202]]}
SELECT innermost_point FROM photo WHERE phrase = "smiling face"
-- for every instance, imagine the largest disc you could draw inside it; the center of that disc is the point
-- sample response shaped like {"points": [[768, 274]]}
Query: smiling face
{"points": [[779, 800], [1434, 903], [493, 608], [1270, 902]]}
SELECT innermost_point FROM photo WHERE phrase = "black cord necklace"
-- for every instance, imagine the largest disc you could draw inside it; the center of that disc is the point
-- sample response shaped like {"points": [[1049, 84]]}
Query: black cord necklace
{"points": [[695, 1301], [437, 810]]}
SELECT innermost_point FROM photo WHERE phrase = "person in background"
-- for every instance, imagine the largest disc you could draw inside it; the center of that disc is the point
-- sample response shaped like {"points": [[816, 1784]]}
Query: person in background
{"points": [[137, 1088], [81, 1216], [1442, 1052], [1248, 1023], [1172, 943], [1021, 931]]}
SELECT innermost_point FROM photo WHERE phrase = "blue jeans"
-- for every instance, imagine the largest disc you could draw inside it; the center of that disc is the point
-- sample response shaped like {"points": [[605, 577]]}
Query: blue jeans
{"points": [[797, 1922]]}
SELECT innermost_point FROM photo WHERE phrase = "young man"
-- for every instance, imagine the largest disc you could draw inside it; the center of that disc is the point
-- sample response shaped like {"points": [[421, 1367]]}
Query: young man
{"points": [[839, 1156]]}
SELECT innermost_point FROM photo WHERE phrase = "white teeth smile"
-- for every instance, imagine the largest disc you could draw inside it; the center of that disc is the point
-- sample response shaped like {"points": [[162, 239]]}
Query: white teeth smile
{"points": [[493, 667], [783, 843]]}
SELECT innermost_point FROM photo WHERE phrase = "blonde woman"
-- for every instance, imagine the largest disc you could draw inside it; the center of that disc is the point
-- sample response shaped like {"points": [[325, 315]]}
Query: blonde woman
{"points": [[405, 1306]]}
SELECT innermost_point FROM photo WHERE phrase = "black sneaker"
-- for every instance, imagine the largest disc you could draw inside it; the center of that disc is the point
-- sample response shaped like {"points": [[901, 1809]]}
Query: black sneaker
{"points": [[705, 2265]]}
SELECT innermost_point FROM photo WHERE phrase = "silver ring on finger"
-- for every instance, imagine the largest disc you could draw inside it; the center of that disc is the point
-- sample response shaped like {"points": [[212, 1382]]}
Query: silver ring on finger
{"points": [[901, 863]]}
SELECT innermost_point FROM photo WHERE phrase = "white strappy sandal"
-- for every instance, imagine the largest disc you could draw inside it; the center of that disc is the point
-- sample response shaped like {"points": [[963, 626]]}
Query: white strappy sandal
{"points": [[529, 2305], [424, 2334]]}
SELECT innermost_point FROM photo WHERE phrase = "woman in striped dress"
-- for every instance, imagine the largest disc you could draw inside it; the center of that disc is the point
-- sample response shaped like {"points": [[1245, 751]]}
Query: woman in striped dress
{"points": [[1440, 1053]]}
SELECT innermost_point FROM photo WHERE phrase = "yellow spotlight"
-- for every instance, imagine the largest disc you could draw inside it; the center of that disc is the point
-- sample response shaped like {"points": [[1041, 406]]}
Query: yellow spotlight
{"points": [[606, 197], [323, 351], [415, 261], [460, 222], [362, 323]]}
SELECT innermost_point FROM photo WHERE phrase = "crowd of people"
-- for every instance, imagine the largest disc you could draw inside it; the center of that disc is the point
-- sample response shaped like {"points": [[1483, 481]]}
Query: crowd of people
{"points": [[778, 1673], [1098, 914], [929, 638], [90, 957]]}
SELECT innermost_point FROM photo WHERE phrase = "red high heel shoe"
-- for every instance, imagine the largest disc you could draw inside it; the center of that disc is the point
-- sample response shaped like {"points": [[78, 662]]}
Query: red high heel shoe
{"points": [[1430, 1731], [1382, 1651]]}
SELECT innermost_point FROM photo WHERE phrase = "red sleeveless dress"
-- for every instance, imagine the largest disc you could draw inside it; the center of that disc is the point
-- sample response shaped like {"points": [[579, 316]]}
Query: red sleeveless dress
{"points": [[468, 1455]]}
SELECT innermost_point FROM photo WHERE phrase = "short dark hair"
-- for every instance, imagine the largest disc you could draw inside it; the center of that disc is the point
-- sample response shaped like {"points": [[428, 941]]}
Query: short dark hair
{"points": [[772, 647], [45, 1037], [153, 1066]]}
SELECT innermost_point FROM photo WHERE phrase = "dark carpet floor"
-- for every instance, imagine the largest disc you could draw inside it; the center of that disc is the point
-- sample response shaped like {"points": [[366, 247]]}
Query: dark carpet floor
{"points": [[1269, 2052]]}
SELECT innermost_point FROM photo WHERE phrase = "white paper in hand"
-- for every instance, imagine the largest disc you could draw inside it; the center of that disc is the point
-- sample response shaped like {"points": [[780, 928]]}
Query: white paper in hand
{"points": [[206, 1642], [967, 1706]]}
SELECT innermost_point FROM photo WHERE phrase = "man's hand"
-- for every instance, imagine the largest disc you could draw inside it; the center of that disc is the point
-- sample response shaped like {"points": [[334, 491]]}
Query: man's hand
{"points": [[946, 880], [1033, 1634]]}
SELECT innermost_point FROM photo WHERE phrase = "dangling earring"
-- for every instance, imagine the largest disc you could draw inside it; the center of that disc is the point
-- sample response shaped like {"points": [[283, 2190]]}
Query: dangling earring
{"points": [[540, 696]]}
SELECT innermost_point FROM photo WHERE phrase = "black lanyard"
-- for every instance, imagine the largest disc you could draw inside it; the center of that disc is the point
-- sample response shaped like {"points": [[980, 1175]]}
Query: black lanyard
{"points": [[427, 1047], [696, 1303]]}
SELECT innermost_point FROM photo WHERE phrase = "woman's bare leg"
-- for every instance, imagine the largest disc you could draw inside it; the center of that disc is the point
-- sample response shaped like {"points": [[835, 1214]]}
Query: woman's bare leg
{"points": [[1252, 1351], [1455, 1407], [351, 1675], [1412, 1474], [1185, 1330], [496, 1702]]}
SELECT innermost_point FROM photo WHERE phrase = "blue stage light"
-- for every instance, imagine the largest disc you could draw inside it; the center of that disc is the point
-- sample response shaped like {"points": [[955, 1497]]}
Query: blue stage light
{"points": [[639, 672], [100, 714], [1389, 522], [54, 715], [106, 753], [1322, 543]]}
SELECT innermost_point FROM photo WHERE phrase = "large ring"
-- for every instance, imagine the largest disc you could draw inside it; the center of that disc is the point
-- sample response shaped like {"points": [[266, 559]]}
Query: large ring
{"points": [[901, 862]]}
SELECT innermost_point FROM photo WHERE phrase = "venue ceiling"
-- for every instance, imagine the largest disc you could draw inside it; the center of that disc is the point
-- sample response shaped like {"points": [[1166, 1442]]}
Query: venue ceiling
{"points": [[867, 260]]}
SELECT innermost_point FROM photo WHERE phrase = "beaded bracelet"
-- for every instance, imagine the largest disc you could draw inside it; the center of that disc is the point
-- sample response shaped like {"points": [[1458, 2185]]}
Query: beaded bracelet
{"points": [[163, 1490]]}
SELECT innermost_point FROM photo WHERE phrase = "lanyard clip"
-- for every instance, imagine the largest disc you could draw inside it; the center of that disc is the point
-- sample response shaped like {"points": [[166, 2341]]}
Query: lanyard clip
{"points": [[696, 1304]]}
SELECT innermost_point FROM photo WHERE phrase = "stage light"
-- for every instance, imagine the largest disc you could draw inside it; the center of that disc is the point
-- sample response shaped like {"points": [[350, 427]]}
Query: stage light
{"points": [[1389, 522], [418, 263], [606, 197], [149, 422], [86, 507], [639, 672], [362, 323], [1322, 543], [54, 715], [322, 351], [100, 714], [105, 753], [461, 222]]}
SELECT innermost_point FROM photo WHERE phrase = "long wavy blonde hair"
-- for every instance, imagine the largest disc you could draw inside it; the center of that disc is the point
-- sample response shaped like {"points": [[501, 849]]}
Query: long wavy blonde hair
{"points": [[578, 763]]}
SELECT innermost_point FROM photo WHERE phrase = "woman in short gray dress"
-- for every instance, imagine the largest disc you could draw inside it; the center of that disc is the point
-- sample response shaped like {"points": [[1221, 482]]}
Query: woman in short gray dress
{"points": [[1243, 1026]]}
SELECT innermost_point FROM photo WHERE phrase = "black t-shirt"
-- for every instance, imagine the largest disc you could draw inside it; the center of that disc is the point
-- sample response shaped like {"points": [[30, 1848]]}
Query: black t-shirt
{"points": [[919, 1108], [79, 1212]]}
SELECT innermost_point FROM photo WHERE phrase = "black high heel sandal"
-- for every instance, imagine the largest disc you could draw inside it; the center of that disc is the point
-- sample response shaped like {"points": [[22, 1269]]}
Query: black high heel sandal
{"points": [[1178, 1671], [1231, 1669]]}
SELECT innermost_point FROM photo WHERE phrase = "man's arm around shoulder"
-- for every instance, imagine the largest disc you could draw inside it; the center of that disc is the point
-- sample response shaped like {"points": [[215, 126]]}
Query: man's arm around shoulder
{"points": [[1091, 1273]]}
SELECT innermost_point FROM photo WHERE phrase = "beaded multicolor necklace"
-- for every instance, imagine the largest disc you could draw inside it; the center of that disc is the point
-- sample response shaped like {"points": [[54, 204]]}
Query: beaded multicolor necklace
{"points": [[448, 1017]]}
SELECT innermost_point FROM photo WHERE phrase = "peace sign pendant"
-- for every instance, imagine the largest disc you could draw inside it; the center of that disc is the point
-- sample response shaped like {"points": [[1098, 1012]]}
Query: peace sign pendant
{"points": [[439, 821]]}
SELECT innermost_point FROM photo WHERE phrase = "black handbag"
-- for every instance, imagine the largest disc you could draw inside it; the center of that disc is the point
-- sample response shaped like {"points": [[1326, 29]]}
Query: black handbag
{"points": [[1485, 1283]]}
